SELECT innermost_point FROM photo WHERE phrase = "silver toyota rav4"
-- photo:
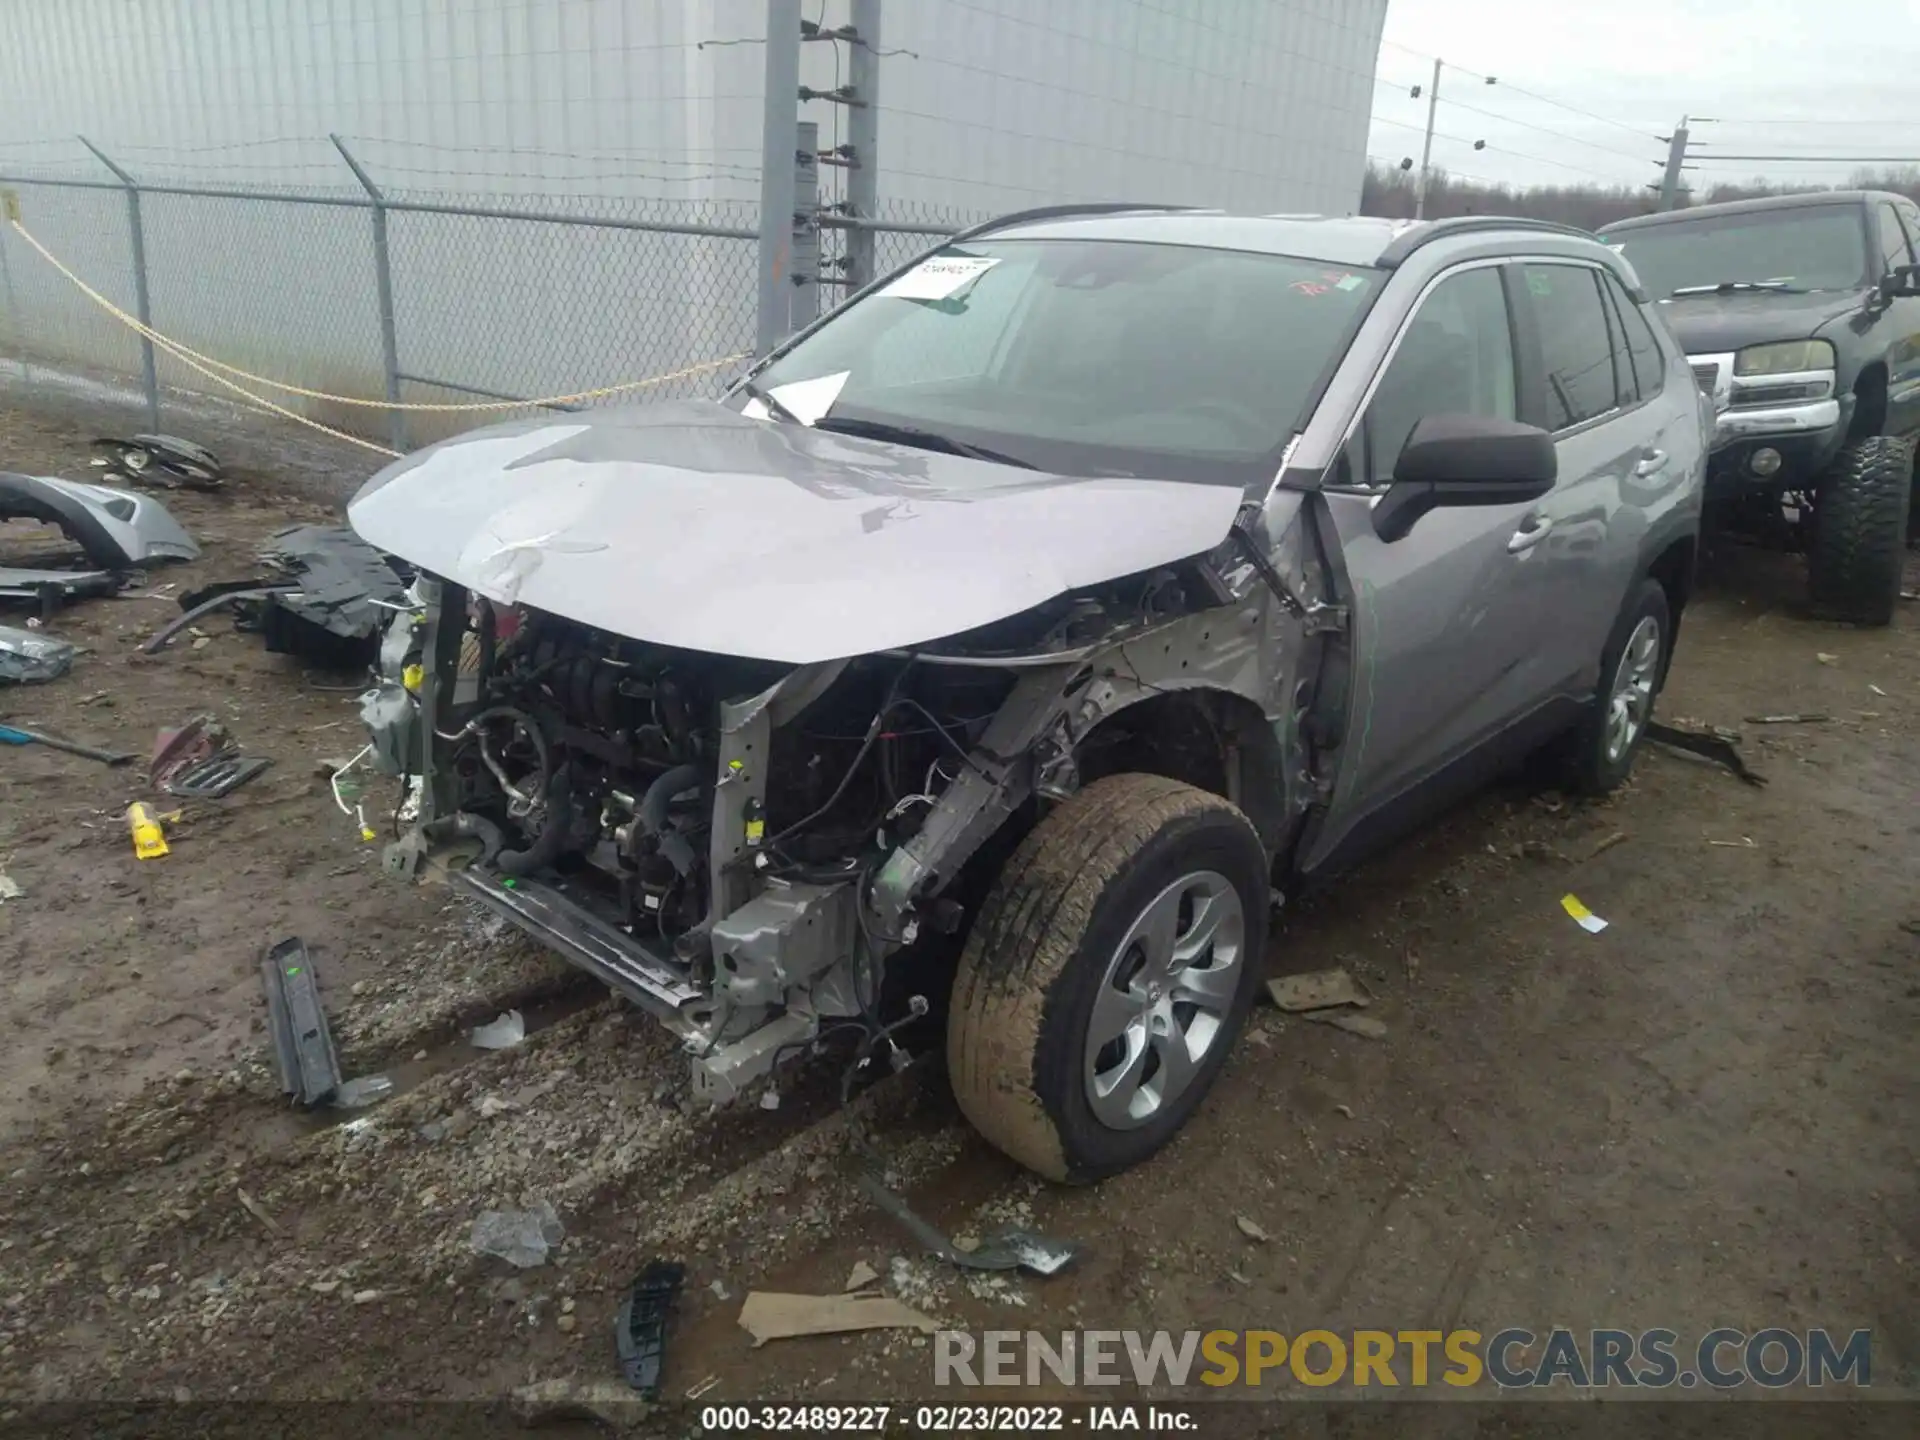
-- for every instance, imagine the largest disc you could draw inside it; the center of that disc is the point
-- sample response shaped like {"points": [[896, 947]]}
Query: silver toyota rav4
{"points": [[1009, 642]]}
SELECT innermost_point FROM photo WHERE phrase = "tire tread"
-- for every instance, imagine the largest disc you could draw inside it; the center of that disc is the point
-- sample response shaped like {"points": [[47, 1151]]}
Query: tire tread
{"points": [[1026, 934], [1858, 553]]}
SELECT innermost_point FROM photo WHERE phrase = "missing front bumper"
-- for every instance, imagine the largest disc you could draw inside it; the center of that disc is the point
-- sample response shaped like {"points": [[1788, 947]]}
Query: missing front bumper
{"points": [[617, 960]]}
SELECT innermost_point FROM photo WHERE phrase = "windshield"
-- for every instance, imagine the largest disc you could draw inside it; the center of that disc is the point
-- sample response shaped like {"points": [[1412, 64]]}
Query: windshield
{"points": [[1084, 357], [1816, 248]]}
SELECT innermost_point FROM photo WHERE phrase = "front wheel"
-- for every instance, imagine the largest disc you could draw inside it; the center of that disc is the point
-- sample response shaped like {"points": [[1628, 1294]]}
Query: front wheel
{"points": [[1632, 668], [1108, 975], [1858, 553]]}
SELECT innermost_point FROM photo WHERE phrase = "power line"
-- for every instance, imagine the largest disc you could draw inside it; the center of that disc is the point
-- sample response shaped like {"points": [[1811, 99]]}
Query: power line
{"points": [[1637, 133], [1499, 149], [1545, 130], [1882, 124], [1823, 159]]}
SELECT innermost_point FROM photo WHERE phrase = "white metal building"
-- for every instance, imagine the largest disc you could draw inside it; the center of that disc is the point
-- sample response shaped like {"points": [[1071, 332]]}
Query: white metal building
{"points": [[656, 105]]}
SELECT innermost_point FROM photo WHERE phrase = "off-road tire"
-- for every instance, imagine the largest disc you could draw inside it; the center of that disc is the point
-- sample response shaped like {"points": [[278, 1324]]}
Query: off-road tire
{"points": [[1038, 951], [1858, 552], [1589, 770]]}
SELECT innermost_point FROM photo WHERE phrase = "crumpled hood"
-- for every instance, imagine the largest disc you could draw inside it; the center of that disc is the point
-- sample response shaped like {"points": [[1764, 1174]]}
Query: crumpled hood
{"points": [[687, 524], [1721, 324]]}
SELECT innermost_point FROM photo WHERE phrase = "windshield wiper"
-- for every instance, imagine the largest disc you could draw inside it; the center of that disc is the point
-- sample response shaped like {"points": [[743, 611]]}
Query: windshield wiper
{"points": [[1730, 287], [774, 407], [915, 436]]}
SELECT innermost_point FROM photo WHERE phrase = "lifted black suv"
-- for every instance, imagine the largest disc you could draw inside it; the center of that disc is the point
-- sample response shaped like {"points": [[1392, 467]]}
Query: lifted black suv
{"points": [[1800, 316]]}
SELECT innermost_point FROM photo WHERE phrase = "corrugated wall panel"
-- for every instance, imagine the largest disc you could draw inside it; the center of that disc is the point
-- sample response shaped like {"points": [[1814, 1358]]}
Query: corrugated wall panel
{"points": [[650, 107]]}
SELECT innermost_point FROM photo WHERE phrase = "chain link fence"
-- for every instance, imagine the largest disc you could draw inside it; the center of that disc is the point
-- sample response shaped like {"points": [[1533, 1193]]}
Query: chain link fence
{"points": [[414, 295]]}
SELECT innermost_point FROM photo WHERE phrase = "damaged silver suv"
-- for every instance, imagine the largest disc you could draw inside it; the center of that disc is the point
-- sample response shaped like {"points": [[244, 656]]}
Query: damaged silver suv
{"points": [[1008, 642]]}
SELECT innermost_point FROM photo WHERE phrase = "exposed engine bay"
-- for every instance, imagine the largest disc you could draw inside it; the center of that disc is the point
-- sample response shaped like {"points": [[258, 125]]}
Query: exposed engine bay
{"points": [[739, 845]]}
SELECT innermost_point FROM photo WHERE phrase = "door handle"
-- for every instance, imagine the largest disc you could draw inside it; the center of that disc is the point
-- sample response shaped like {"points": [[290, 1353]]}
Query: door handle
{"points": [[1531, 532], [1650, 462]]}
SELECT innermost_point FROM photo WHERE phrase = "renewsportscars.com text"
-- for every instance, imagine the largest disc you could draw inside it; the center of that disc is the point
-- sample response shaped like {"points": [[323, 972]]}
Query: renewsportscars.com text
{"points": [[1510, 1359]]}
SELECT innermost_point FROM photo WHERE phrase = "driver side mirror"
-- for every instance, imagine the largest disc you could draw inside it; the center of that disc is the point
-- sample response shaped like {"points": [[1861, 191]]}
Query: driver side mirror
{"points": [[1900, 283], [1465, 460]]}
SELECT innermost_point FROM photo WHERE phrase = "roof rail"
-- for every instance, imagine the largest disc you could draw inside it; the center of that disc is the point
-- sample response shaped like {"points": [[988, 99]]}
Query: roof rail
{"points": [[1405, 244], [1062, 212]]}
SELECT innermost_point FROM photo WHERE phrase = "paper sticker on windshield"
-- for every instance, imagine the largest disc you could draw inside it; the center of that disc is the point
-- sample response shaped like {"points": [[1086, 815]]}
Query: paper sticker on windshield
{"points": [[808, 400], [941, 277]]}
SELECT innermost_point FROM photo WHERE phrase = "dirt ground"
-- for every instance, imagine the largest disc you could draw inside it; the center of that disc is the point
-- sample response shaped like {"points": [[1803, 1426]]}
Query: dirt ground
{"points": [[1704, 1115]]}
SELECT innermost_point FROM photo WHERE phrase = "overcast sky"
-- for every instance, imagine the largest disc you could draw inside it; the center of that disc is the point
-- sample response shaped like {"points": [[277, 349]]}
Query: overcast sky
{"points": [[1637, 66]]}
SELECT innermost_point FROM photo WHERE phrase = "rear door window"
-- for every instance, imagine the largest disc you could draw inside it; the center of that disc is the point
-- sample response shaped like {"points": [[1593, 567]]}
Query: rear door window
{"points": [[1576, 350], [1645, 371]]}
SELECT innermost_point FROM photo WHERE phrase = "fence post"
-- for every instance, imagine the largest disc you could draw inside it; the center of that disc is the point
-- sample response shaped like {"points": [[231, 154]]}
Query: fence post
{"points": [[383, 293], [863, 133], [137, 235], [13, 299], [805, 301], [779, 141]]}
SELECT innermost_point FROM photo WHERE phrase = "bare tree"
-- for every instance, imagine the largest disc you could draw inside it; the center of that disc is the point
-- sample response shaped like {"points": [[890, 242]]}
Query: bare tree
{"points": [[1389, 192]]}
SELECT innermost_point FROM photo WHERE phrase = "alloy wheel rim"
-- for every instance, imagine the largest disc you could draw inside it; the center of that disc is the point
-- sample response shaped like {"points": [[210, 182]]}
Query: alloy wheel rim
{"points": [[1631, 701], [1161, 1009]]}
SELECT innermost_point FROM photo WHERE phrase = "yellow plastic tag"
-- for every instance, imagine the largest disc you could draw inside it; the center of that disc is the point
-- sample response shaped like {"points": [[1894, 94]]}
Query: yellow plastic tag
{"points": [[413, 677], [755, 829], [1581, 915]]}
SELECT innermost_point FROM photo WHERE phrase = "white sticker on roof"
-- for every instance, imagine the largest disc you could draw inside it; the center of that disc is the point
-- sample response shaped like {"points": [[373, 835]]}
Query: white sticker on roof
{"points": [[941, 277]]}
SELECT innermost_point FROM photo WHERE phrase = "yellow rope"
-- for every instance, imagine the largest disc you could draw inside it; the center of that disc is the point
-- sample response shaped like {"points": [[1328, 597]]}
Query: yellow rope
{"points": [[194, 360]]}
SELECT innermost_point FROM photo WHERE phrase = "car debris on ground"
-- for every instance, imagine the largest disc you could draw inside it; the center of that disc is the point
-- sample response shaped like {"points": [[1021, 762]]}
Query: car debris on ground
{"points": [[1363, 1025], [860, 1277], [501, 1033], [522, 1238], [9, 887], [117, 532], [302, 1042], [163, 460], [1718, 746], [30, 659], [1251, 1230], [325, 596], [1009, 1249], [1316, 990], [1328, 997], [640, 1327], [200, 760], [1811, 718], [767, 1316], [20, 735]]}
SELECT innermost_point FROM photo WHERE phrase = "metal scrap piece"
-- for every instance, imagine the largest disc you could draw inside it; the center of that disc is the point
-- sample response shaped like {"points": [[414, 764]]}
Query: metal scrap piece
{"points": [[166, 632], [1008, 1250], [163, 459], [1706, 744], [302, 1044], [215, 776]]}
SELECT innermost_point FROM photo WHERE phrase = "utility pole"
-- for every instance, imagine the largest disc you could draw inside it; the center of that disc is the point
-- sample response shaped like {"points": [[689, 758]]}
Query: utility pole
{"points": [[1426, 148], [779, 141], [1676, 160]]}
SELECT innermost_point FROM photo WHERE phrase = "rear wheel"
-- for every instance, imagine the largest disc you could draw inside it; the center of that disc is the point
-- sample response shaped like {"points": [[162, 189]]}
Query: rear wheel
{"points": [[1632, 668], [1108, 975], [1858, 552]]}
